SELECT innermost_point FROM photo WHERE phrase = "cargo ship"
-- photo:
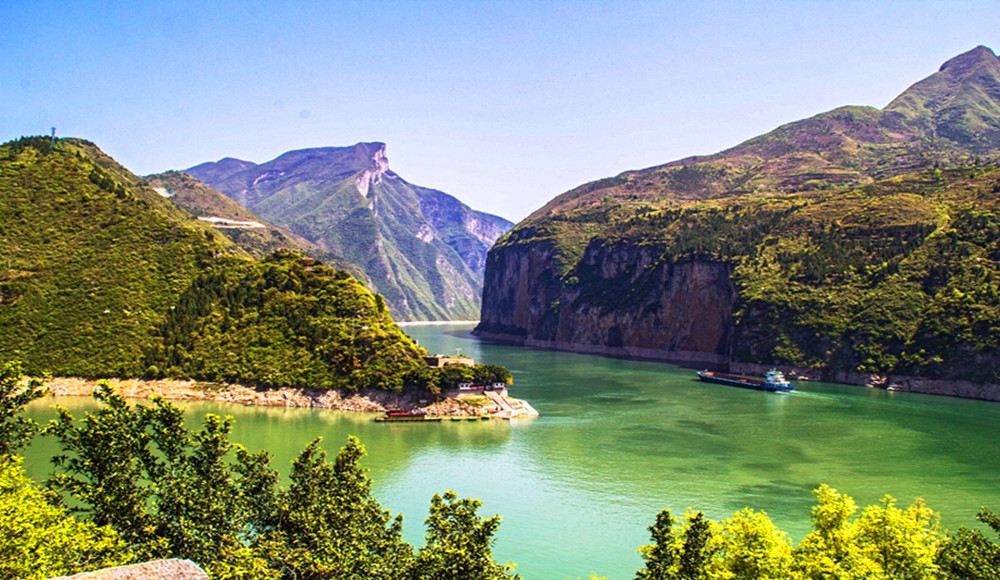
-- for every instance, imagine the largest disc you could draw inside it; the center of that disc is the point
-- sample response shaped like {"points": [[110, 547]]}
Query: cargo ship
{"points": [[774, 381]]}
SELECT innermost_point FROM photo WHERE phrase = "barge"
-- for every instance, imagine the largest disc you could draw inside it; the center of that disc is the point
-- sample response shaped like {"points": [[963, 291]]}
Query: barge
{"points": [[775, 381]]}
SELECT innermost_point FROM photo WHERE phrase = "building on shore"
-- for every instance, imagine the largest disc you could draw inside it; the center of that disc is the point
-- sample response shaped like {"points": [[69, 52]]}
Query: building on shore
{"points": [[442, 360]]}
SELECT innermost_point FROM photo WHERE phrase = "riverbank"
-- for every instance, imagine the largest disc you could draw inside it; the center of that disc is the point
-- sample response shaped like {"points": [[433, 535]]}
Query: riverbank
{"points": [[697, 360], [180, 390]]}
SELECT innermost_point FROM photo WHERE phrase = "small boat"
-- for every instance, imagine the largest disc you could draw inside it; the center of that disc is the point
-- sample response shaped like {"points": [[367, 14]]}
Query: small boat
{"points": [[773, 381], [401, 416]]}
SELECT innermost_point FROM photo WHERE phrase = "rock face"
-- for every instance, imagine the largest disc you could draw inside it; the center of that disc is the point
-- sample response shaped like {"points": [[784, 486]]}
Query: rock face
{"points": [[422, 249], [723, 259], [172, 569], [632, 304]]}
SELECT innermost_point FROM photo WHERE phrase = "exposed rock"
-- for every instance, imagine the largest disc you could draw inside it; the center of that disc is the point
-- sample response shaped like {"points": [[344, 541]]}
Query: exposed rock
{"points": [[177, 390], [679, 312], [172, 569]]}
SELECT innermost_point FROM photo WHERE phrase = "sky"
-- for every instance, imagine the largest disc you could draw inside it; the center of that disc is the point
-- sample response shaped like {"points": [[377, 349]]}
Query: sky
{"points": [[503, 104]]}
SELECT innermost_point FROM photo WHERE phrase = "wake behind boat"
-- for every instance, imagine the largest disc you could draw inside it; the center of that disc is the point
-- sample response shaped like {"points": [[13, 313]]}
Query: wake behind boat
{"points": [[774, 381]]}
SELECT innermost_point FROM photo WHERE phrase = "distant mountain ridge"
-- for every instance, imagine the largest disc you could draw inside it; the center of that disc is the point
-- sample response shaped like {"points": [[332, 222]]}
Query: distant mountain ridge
{"points": [[856, 242], [422, 249]]}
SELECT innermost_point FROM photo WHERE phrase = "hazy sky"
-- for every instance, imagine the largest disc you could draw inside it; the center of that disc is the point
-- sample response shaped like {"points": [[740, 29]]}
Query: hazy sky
{"points": [[504, 104]]}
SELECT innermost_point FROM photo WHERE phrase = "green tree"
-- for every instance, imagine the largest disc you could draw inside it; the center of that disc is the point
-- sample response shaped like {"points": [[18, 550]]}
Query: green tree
{"points": [[661, 556], [902, 544], [104, 467], [752, 548], [687, 556], [970, 555], [39, 539], [16, 431], [459, 543], [329, 525], [487, 374], [831, 549], [167, 491]]}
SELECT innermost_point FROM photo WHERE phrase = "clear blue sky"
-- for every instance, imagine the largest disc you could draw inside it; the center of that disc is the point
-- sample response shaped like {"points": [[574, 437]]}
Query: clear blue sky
{"points": [[504, 104]]}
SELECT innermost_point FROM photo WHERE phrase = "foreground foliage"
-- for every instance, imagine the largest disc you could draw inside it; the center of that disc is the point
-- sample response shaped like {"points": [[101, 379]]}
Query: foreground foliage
{"points": [[167, 491], [39, 539], [884, 542]]}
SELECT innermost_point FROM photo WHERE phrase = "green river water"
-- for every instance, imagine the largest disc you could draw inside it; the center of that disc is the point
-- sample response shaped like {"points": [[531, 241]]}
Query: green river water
{"points": [[619, 440]]}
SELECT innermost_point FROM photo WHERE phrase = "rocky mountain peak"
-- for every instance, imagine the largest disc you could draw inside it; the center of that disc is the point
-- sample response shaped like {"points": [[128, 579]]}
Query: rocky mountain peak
{"points": [[379, 164], [969, 61]]}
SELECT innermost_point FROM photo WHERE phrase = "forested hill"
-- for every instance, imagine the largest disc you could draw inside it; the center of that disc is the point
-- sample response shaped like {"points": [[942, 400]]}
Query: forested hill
{"points": [[101, 275], [857, 241], [422, 249], [255, 235]]}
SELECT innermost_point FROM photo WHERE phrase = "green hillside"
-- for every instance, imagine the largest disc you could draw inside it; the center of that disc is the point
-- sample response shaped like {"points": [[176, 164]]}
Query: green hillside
{"points": [[254, 235], [90, 259], [101, 275], [856, 241]]}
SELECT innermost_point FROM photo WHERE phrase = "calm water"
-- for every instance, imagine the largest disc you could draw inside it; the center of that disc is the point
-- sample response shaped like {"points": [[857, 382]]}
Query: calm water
{"points": [[620, 440]]}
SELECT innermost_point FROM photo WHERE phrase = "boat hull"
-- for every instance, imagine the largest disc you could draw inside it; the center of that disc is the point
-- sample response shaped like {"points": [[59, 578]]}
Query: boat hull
{"points": [[742, 382], [408, 419]]}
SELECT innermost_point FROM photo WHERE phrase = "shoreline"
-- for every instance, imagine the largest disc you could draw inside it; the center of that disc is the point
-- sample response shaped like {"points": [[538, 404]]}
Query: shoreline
{"points": [[356, 402], [896, 383], [435, 322]]}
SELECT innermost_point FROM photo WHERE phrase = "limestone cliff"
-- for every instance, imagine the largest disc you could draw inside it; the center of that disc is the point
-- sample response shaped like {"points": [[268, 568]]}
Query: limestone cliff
{"points": [[632, 303]]}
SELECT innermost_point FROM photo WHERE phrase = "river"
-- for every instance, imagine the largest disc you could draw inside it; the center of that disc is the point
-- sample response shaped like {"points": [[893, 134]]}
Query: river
{"points": [[619, 440]]}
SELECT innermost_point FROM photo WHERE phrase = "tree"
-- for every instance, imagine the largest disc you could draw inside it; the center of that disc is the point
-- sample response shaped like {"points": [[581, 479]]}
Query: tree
{"points": [[459, 543], [831, 549], [687, 556], [901, 543], [486, 374], [104, 466], [39, 539], [329, 525], [167, 491], [16, 431], [662, 555], [752, 548], [970, 555]]}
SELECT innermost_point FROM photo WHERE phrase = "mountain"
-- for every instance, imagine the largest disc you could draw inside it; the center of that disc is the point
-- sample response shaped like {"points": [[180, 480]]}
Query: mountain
{"points": [[254, 235], [859, 241], [102, 275], [423, 250]]}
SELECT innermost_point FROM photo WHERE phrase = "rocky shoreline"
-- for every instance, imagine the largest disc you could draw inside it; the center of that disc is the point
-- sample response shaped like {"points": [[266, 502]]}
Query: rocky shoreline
{"points": [[180, 390]]}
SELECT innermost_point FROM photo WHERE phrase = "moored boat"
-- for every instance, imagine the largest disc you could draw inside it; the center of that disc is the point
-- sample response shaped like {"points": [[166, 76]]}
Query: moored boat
{"points": [[773, 381], [401, 416]]}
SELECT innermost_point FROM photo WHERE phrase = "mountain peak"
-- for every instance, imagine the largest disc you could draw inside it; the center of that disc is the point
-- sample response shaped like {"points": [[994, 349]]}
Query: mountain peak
{"points": [[968, 61]]}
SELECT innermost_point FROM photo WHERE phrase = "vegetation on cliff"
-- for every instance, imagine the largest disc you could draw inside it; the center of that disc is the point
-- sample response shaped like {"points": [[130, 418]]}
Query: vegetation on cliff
{"points": [[282, 321], [90, 259]]}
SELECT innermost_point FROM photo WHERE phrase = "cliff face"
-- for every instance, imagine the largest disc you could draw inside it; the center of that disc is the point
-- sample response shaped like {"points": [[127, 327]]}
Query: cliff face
{"points": [[622, 299], [858, 242]]}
